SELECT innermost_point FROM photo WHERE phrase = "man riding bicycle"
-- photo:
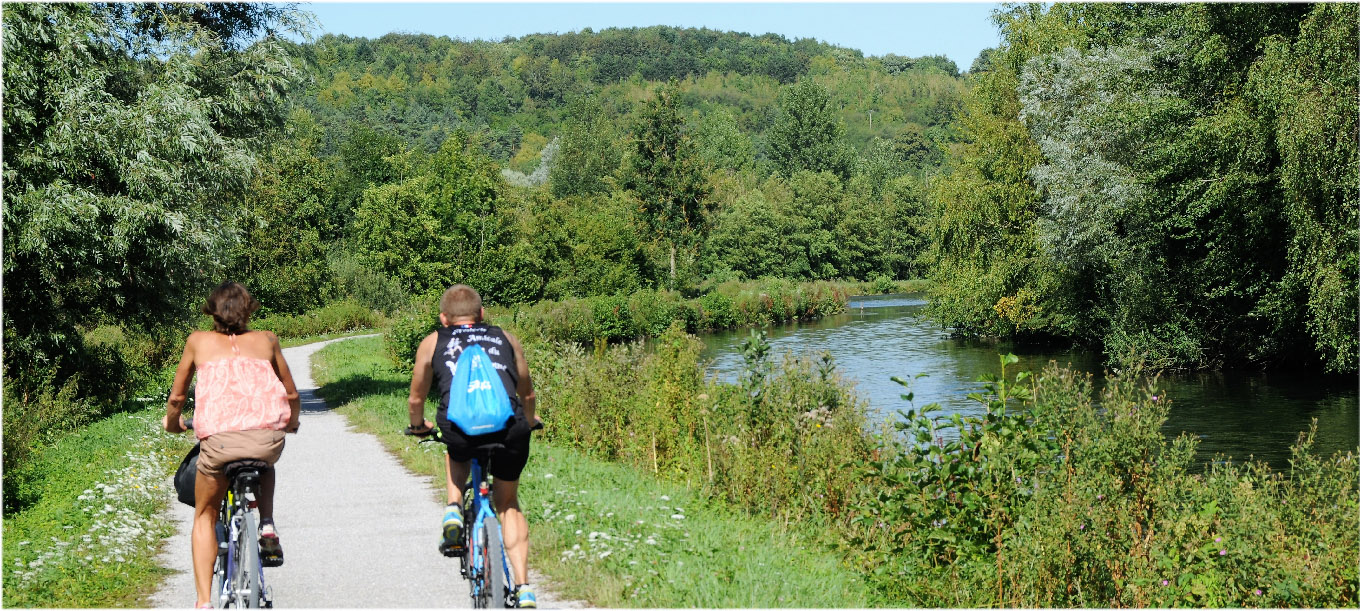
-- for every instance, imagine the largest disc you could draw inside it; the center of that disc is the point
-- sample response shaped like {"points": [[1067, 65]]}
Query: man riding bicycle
{"points": [[437, 361]]}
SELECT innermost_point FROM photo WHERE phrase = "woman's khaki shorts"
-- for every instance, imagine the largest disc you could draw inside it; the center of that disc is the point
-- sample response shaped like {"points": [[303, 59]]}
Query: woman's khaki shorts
{"points": [[218, 450]]}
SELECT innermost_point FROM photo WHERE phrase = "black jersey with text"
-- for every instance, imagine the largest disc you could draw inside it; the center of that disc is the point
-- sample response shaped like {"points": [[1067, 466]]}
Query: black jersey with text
{"points": [[450, 344]]}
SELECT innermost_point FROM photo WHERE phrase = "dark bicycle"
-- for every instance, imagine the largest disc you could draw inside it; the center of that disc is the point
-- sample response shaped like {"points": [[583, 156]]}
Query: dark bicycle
{"points": [[238, 574], [482, 560]]}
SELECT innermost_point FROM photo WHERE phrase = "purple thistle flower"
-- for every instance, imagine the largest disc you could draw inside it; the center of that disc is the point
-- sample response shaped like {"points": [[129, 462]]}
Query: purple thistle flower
{"points": [[1223, 552], [1082, 527], [1258, 591], [1100, 497], [1217, 539], [1165, 582]]}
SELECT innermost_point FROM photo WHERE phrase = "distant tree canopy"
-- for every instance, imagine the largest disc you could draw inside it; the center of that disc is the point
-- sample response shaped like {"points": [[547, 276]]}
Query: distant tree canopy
{"points": [[420, 87]]}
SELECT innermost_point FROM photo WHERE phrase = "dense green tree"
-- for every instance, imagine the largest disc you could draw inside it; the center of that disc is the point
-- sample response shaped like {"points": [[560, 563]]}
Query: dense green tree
{"points": [[747, 238], [589, 153], [1145, 200], [721, 143], [282, 256], [1309, 88], [812, 216], [991, 277], [126, 128], [665, 172], [807, 134], [435, 226]]}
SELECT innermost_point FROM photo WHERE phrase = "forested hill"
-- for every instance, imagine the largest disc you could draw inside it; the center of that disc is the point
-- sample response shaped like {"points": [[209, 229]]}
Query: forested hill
{"points": [[516, 92]]}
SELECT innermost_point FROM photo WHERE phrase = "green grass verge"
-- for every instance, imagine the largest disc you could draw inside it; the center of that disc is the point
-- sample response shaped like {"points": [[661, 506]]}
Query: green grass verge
{"points": [[604, 532], [91, 539]]}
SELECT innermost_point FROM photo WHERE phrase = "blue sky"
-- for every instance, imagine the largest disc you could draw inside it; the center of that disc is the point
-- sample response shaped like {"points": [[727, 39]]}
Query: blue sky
{"points": [[956, 30]]}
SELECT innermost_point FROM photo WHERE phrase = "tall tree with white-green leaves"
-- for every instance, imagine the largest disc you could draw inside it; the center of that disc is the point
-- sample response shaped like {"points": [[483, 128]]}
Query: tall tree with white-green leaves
{"points": [[129, 129], [1137, 179]]}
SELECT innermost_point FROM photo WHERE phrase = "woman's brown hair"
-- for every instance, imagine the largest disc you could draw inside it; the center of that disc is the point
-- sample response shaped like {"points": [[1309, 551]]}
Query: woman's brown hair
{"points": [[230, 305]]}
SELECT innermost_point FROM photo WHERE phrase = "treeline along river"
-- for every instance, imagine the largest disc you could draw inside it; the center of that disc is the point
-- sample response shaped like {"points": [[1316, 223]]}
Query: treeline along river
{"points": [[1238, 414]]}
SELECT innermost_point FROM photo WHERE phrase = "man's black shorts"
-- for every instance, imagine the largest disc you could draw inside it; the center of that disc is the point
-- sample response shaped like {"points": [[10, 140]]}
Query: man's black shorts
{"points": [[506, 463]]}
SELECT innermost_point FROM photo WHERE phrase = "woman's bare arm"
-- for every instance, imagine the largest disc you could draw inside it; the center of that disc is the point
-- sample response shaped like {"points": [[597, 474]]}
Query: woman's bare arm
{"points": [[289, 387], [179, 390]]}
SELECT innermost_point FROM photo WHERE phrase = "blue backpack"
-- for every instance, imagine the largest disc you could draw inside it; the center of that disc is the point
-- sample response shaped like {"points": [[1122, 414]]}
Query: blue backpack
{"points": [[478, 403]]}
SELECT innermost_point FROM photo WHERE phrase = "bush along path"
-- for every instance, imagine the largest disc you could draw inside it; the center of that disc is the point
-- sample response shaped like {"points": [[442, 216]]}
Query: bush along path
{"points": [[358, 529]]}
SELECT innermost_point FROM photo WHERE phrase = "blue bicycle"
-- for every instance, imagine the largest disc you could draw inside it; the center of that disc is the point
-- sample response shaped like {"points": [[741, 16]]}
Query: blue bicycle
{"points": [[482, 561]]}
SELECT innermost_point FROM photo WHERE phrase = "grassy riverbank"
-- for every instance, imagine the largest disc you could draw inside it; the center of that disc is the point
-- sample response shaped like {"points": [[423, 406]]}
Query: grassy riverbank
{"points": [[605, 532]]}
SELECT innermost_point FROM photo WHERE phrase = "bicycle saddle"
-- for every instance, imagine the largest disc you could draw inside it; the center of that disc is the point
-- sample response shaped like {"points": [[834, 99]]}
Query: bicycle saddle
{"points": [[247, 469]]}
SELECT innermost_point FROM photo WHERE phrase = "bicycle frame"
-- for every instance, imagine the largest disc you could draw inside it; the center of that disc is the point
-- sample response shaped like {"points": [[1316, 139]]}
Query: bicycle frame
{"points": [[234, 528], [480, 508]]}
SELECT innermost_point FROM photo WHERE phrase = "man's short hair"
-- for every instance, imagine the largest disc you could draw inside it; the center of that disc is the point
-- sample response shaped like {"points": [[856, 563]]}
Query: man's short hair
{"points": [[460, 301]]}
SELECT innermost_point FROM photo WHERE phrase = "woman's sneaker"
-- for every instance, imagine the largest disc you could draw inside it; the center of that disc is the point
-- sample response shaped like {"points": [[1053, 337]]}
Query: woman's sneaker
{"points": [[451, 544], [524, 597], [271, 551]]}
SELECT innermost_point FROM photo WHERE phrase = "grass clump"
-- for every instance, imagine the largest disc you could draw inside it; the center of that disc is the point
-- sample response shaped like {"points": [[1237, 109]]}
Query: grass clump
{"points": [[599, 530]]}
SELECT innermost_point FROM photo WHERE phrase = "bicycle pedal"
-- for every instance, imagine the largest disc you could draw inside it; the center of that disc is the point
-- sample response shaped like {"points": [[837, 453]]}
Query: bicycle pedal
{"points": [[453, 552]]}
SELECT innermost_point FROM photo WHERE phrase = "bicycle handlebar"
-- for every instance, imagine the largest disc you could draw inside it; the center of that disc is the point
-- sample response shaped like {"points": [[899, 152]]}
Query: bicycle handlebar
{"points": [[434, 435]]}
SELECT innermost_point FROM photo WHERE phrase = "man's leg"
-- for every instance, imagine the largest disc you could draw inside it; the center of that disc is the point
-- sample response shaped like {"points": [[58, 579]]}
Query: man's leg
{"points": [[455, 475], [514, 528]]}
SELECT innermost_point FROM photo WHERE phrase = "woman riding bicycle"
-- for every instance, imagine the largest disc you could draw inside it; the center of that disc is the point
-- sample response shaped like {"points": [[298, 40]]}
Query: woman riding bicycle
{"points": [[245, 401]]}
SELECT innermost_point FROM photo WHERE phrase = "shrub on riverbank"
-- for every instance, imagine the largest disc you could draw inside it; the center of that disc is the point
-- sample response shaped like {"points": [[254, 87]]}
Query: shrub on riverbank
{"points": [[774, 445], [1057, 500], [646, 313]]}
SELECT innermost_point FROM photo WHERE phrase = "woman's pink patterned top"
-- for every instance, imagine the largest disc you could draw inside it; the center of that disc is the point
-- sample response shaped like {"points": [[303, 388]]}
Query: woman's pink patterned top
{"points": [[239, 394]]}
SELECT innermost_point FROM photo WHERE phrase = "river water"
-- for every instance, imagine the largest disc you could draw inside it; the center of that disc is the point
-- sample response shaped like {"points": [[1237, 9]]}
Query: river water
{"points": [[1235, 414]]}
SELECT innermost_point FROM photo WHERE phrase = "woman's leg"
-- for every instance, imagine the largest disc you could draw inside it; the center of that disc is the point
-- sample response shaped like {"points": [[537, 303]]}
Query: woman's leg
{"points": [[208, 493], [266, 500]]}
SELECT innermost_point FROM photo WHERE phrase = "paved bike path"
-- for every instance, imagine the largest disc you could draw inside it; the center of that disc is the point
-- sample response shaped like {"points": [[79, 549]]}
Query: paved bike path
{"points": [[358, 529]]}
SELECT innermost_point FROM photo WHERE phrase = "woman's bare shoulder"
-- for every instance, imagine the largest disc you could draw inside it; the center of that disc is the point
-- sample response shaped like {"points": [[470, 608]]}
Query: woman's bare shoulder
{"points": [[198, 337]]}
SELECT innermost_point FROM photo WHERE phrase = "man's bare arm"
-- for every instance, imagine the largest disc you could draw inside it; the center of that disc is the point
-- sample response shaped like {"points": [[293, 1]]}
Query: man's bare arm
{"points": [[525, 390], [421, 377]]}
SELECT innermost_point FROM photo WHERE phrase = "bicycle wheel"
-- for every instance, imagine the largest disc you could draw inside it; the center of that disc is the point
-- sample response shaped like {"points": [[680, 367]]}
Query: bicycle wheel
{"points": [[481, 573], [494, 561], [248, 592], [219, 566]]}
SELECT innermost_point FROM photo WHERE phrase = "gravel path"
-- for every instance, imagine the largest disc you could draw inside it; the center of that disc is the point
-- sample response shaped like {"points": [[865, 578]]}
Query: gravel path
{"points": [[358, 529]]}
